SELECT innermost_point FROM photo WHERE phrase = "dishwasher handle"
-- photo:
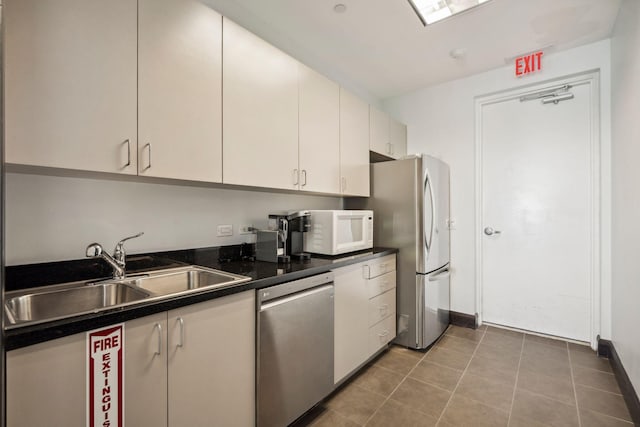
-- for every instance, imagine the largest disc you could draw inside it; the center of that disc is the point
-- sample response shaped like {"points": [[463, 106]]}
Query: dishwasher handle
{"points": [[293, 297], [273, 293]]}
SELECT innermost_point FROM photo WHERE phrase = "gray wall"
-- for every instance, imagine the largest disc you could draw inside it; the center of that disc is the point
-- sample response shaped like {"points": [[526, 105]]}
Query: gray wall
{"points": [[625, 93], [51, 218]]}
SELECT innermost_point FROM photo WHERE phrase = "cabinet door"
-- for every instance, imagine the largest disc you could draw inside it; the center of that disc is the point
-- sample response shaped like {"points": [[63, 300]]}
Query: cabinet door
{"points": [[351, 327], [379, 131], [180, 90], [212, 362], [146, 371], [354, 145], [319, 143], [46, 383], [397, 138], [260, 112], [70, 84]]}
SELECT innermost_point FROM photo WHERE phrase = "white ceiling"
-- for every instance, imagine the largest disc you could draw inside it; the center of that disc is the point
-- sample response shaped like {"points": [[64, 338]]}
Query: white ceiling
{"points": [[380, 47]]}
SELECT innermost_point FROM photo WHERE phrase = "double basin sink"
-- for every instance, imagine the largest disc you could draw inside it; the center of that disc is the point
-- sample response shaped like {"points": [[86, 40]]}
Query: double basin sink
{"points": [[71, 299]]}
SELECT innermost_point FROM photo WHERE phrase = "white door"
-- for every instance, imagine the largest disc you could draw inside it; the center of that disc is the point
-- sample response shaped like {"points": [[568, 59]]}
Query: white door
{"points": [[536, 229]]}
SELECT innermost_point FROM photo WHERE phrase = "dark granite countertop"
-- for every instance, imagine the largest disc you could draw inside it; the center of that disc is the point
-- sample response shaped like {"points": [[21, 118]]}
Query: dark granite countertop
{"points": [[263, 274]]}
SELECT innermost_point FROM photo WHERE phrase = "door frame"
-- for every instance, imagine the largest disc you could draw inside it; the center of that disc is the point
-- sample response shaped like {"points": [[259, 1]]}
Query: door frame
{"points": [[591, 78]]}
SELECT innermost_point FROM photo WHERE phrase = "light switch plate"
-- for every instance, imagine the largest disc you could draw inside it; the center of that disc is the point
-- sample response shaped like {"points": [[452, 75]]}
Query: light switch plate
{"points": [[225, 230]]}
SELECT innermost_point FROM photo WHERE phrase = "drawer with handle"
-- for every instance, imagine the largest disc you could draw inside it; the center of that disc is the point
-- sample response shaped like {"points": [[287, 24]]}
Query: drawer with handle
{"points": [[382, 307], [381, 284], [382, 333], [379, 266]]}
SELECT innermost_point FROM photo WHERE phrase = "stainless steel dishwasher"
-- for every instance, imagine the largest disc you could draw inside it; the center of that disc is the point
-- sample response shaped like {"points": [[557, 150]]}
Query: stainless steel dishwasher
{"points": [[294, 348]]}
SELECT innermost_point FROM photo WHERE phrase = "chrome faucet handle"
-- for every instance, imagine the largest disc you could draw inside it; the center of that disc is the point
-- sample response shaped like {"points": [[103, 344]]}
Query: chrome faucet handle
{"points": [[94, 250], [119, 253]]}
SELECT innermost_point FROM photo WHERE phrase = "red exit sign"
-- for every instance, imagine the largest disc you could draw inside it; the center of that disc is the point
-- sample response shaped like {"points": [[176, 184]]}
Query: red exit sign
{"points": [[528, 64]]}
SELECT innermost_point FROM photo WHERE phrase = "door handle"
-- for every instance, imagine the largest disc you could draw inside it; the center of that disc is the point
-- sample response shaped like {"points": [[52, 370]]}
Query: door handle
{"points": [[443, 275], [181, 321], [158, 327], [489, 231], [148, 145], [128, 142]]}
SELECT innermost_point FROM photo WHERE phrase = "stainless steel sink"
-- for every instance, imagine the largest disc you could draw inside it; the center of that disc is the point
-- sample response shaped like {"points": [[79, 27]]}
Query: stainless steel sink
{"points": [[70, 301], [176, 281], [48, 303]]}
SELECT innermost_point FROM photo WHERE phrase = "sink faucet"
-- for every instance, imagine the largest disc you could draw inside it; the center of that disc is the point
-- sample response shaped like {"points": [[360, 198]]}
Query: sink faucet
{"points": [[117, 261]]}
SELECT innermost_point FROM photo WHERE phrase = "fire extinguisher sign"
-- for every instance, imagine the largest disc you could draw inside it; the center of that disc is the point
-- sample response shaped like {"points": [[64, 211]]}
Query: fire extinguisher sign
{"points": [[105, 377]]}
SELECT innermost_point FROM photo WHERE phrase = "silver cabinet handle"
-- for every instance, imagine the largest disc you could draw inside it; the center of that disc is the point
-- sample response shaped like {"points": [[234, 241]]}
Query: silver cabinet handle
{"points": [[384, 334], [149, 166], [128, 142], [490, 231], [181, 321], [383, 309], [296, 177], [304, 176], [159, 329], [368, 275]]}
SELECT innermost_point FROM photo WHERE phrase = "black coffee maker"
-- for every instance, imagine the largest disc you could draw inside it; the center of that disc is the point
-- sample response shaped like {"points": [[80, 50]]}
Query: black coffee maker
{"points": [[299, 223], [284, 239]]}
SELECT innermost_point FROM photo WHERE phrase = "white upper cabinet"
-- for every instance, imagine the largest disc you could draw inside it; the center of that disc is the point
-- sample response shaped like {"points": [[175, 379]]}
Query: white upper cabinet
{"points": [[180, 90], [379, 131], [397, 138], [388, 136], [260, 112], [354, 145], [70, 84], [319, 142]]}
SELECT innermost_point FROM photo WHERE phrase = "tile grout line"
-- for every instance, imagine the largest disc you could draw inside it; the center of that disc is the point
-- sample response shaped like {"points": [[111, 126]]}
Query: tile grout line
{"points": [[515, 385], [599, 389], [399, 384], [415, 366], [573, 383], [464, 371]]}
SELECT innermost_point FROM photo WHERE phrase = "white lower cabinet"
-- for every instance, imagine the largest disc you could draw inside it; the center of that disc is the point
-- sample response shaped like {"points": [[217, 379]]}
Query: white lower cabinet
{"points": [[365, 312], [145, 373], [192, 366], [212, 362], [46, 384]]}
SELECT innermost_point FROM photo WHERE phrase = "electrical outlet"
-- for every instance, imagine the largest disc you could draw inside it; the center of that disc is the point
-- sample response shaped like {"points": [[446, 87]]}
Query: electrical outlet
{"points": [[245, 229], [225, 230]]}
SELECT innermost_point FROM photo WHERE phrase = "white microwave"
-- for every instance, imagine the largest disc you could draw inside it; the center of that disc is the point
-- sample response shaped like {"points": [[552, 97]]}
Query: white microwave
{"points": [[335, 232]]}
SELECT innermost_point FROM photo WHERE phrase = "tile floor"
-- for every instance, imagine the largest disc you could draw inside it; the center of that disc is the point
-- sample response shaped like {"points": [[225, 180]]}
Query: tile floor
{"points": [[485, 377]]}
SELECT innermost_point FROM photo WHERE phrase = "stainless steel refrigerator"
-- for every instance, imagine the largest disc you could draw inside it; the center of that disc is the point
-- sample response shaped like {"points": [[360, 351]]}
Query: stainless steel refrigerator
{"points": [[410, 200]]}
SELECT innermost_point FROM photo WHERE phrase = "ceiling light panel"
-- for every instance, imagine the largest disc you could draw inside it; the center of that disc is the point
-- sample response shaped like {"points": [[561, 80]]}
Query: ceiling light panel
{"points": [[430, 11]]}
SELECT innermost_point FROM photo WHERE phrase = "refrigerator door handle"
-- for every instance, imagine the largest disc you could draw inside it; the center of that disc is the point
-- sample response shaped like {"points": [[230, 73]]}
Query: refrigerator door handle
{"points": [[427, 185], [443, 275]]}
